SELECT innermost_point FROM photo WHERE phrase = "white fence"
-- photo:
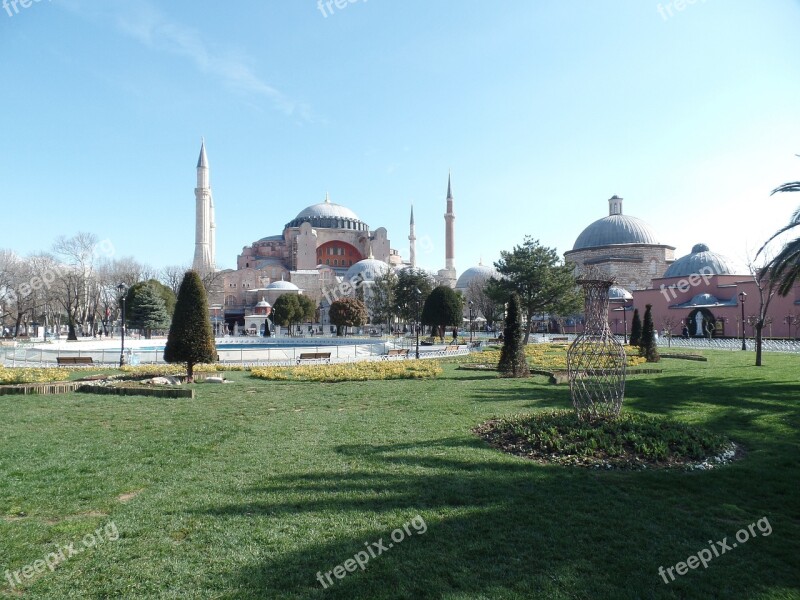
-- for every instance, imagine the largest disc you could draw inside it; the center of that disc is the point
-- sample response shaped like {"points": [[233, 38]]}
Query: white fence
{"points": [[31, 356]]}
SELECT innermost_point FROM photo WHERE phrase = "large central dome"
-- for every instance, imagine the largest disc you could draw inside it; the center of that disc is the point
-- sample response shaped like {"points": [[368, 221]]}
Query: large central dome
{"points": [[616, 229], [330, 215]]}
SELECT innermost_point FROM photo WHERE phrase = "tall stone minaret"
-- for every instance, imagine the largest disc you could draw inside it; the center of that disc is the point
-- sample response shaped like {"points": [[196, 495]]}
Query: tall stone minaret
{"points": [[448, 274], [449, 231], [412, 239], [205, 227]]}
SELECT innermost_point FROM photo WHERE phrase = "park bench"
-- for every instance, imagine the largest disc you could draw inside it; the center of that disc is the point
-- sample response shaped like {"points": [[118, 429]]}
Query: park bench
{"points": [[397, 352], [74, 360], [326, 356], [451, 348], [559, 339]]}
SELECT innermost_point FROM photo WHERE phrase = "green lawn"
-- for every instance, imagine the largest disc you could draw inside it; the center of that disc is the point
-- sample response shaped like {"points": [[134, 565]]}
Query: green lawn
{"points": [[252, 488]]}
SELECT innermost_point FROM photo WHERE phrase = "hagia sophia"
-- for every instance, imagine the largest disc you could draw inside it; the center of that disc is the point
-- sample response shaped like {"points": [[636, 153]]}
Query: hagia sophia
{"points": [[699, 294]]}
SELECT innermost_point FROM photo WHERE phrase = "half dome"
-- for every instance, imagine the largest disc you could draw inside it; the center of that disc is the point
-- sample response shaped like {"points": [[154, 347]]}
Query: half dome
{"points": [[287, 286], [367, 270]]}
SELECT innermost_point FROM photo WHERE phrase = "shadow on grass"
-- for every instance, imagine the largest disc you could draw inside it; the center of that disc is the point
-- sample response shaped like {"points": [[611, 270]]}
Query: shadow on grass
{"points": [[505, 527]]}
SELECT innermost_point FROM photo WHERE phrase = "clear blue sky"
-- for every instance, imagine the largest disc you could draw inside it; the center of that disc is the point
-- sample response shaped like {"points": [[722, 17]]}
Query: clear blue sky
{"points": [[543, 110]]}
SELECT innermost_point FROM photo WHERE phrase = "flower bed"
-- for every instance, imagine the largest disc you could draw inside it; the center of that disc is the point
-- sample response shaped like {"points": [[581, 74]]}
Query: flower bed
{"points": [[360, 371], [22, 375], [543, 357], [632, 441]]}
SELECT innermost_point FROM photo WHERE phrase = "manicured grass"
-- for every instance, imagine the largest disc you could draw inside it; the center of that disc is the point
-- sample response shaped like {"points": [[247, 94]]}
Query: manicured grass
{"points": [[253, 487]]}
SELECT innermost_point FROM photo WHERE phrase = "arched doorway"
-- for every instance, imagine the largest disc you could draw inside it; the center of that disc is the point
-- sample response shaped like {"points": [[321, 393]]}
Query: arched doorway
{"points": [[701, 323]]}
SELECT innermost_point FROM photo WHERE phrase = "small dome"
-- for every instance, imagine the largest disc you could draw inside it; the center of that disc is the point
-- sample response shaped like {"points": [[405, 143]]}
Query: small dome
{"points": [[618, 294], [703, 300], [703, 261], [287, 286], [368, 270], [263, 303], [329, 215], [476, 273]]}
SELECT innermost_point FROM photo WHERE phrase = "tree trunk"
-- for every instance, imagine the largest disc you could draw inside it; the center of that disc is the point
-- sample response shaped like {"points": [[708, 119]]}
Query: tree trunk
{"points": [[527, 331], [759, 327], [72, 334], [190, 372]]}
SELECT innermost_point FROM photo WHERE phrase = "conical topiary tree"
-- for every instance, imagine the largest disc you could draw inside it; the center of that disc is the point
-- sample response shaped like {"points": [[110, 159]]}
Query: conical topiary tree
{"points": [[636, 329], [512, 357], [190, 339], [647, 345]]}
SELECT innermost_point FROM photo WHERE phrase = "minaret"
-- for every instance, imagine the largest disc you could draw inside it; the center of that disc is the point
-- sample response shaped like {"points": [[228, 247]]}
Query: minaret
{"points": [[205, 228], [449, 232], [412, 239]]}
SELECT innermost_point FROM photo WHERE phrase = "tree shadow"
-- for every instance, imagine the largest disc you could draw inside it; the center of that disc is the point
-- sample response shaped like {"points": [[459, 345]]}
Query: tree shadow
{"points": [[500, 527]]}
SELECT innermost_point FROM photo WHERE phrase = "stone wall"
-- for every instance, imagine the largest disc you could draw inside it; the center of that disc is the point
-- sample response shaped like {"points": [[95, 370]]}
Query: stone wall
{"points": [[633, 266]]}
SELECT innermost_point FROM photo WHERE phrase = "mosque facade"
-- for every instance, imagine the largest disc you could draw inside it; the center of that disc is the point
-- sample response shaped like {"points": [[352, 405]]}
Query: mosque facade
{"points": [[317, 251]]}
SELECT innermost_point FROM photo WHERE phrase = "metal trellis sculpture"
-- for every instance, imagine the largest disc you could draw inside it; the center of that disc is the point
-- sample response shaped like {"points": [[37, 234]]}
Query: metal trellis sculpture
{"points": [[596, 360]]}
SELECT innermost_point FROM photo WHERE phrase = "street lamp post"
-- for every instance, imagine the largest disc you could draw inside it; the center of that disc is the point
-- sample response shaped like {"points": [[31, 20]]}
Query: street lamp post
{"points": [[417, 324], [471, 317], [742, 298], [625, 323], [122, 290]]}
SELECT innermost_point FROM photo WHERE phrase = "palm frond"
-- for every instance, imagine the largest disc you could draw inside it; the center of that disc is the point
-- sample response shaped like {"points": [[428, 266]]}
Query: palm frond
{"points": [[792, 186], [792, 224], [785, 267]]}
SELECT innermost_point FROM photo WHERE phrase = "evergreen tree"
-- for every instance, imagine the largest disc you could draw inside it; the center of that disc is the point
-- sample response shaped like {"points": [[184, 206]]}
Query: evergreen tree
{"points": [[544, 283], [288, 311], [145, 309], [512, 357], [406, 299], [443, 308], [190, 339], [308, 308], [347, 312], [647, 345], [636, 329]]}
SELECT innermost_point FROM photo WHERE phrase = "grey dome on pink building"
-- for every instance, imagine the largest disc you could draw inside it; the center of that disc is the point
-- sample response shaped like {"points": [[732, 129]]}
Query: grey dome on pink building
{"points": [[701, 260]]}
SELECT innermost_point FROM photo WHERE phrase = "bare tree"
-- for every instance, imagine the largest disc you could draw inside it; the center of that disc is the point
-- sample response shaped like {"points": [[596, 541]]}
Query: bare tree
{"points": [[76, 285], [670, 323], [172, 276], [485, 304], [767, 286]]}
